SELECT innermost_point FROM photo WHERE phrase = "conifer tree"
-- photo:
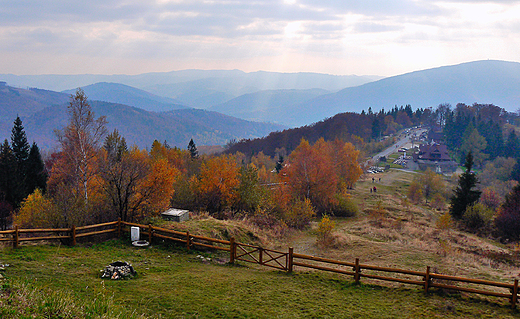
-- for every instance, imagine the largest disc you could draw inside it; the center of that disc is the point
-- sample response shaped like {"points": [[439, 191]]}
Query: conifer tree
{"points": [[7, 172], [20, 148], [465, 193], [19, 142], [193, 149], [36, 173]]}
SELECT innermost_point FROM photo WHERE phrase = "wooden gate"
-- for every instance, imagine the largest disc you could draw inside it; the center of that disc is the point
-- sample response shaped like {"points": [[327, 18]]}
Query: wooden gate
{"points": [[261, 256]]}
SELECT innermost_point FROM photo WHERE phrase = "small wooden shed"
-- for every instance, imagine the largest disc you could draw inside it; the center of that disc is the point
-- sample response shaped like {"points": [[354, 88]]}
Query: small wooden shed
{"points": [[177, 215]]}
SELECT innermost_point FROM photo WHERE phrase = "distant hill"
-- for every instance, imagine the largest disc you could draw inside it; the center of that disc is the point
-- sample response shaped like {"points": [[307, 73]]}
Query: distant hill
{"points": [[196, 88], [496, 82], [138, 126], [142, 127], [345, 126], [124, 94], [24, 102], [267, 106]]}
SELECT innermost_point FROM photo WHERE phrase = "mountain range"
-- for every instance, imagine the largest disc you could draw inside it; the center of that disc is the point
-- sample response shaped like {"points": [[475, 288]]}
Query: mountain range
{"points": [[43, 111], [287, 99]]}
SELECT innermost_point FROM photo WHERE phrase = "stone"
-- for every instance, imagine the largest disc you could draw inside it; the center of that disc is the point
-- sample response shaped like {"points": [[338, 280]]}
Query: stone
{"points": [[118, 270]]}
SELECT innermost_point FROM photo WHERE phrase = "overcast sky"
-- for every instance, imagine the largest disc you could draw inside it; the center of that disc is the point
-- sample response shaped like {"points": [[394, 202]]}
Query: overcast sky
{"points": [[377, 37]]}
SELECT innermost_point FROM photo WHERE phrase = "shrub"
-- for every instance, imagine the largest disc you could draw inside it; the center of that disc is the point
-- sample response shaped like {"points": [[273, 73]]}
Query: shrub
{"points": [[325, 227], [477, 217], [415, 192], [344, 206], [438, 202], [299, 214], [508, 219], [444, 222], [490, 199]]}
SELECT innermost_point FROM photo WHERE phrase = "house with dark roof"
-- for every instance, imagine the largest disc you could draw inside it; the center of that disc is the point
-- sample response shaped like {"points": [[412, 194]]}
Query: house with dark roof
{"points": [[436, 157]]}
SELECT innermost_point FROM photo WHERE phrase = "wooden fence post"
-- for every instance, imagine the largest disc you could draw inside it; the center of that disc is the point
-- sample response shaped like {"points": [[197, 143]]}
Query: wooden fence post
{"points": [[260, 250], [427, 279], [357, 270], [119, 227], [150, 233], [290, 260], [188, 240], [73, 235], [514, 296], [232, 250], [15, 243]]}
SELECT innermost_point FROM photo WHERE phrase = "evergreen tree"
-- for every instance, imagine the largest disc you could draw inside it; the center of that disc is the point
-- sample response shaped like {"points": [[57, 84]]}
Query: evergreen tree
{"points": [[376, 129], [193, 149], [20, 148], [36, 173], [279, 164], [19, 142], [115, 146], [512, 148], [465, 193], [7, 173]]}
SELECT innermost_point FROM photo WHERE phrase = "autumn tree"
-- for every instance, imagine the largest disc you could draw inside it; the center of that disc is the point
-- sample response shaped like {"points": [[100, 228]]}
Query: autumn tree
{"points": [[249, 190], [310, 174], [345, 159], [80, 142], [475, 143], [136, 184], [508, 220], [218, 183], [432, 184]]}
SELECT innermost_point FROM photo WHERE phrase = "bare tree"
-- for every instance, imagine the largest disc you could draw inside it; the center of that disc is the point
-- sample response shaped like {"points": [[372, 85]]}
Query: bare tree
{"points": [[80, 141]]}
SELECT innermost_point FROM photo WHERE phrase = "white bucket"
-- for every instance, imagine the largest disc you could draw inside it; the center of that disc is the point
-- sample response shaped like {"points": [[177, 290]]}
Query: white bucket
{"points": [[134, 233]]}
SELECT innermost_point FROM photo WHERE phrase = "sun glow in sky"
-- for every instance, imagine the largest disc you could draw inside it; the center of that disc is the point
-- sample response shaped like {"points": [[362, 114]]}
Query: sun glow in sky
{"points": [[378, 37]]}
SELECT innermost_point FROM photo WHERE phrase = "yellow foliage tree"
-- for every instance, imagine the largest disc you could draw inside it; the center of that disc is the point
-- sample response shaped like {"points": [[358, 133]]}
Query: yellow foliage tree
{"points": [[36, 211], [324, 231]]}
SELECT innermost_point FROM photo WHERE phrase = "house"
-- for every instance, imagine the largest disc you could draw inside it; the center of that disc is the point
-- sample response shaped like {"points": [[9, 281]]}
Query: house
{"points": [[436, 157]]}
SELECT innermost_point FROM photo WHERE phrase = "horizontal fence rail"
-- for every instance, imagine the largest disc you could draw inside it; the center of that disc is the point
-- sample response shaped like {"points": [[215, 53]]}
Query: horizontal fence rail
{"points": [[284, 261]]}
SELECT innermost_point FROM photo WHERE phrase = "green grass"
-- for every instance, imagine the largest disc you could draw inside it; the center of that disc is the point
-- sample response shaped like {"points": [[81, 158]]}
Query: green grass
{"points": [[174, 283]]}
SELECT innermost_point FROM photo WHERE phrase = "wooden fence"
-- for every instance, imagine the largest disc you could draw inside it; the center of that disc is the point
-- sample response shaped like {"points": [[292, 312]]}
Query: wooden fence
{"points": [[285, 261]]}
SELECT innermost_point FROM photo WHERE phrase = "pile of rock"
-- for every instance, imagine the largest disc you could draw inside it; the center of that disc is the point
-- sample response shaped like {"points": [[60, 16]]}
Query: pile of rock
{"points": [[119, 270]]}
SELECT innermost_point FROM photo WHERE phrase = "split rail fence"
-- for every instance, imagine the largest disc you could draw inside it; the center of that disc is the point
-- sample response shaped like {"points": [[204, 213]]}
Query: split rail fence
{"points": [[284, 261]]}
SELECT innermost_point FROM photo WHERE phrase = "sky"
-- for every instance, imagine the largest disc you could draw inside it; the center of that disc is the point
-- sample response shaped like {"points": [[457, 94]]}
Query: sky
{"points": [[342, 37]]}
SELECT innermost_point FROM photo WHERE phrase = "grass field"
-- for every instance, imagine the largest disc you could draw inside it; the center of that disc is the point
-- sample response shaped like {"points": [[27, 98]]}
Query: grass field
{"points": [[174, 283], [44, 281]]}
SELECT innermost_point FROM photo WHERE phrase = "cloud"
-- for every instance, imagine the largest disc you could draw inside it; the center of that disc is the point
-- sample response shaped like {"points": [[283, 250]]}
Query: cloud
{"points": [[260, 30]]}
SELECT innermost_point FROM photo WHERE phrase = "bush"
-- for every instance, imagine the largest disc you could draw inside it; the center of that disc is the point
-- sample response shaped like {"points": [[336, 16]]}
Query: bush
{"points": [[477, 217], [324, 231], [444, 222], [299, 214], [438, 202], [508, 219], [344, 206]]}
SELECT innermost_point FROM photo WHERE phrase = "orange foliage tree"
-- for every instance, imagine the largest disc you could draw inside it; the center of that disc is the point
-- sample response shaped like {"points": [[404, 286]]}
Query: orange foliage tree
{"points": [[218, 182], [137, 184], [310, 173], [320, 171]]}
